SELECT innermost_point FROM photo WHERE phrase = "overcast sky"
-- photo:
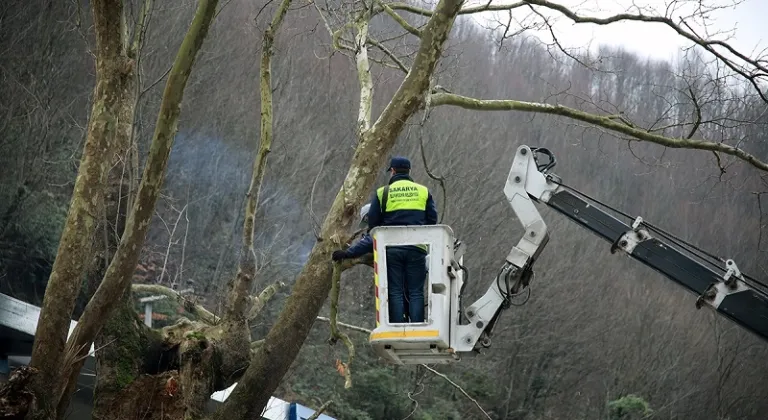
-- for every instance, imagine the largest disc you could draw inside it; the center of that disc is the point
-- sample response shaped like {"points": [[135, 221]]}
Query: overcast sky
{"points": [[745, 21]]}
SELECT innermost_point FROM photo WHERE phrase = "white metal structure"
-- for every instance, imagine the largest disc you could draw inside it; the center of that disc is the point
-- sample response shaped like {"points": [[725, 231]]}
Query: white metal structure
{"points": [[430, 341], [22, 317], [451, 330], [276, 409], [147, 301]]}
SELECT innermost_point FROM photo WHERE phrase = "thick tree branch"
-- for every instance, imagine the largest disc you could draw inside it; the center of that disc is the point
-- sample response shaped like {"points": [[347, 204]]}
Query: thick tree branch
{"points": [[240, 286], [400, 20], [259, 302], [488, 7], [238, 349], [113, 72], [598, 120], [363, 75]]}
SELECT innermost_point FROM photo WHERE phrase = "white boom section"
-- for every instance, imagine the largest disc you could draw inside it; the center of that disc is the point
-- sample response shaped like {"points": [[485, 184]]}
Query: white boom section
{"points": [[525, 183]]}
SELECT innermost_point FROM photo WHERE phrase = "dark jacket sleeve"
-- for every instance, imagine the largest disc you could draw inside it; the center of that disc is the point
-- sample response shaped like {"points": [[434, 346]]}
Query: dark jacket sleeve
{"points": [[361, 247], [374, 212], [431, 210]]}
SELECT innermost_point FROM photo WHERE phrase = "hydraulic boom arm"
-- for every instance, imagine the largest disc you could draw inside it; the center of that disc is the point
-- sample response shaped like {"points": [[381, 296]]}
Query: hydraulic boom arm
{"points": [[724, 289]]}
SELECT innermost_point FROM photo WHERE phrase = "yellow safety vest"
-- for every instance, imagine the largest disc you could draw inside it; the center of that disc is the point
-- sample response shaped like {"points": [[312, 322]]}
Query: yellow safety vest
{"points": [[404, 195]]}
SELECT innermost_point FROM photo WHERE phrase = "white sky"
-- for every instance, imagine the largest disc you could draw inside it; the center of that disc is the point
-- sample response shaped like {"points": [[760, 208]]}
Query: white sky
{"points": [[745, 23]]}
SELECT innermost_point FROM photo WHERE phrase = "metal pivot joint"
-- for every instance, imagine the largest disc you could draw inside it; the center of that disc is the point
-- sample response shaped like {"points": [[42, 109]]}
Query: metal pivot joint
{"points": [[629, 239], [731, 283]]}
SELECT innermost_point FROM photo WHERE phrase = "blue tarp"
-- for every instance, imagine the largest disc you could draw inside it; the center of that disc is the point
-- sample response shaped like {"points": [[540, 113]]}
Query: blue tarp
{"points": [[299, 412]]}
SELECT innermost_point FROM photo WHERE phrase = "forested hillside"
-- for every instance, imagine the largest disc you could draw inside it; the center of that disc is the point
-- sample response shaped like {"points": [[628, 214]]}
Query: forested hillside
{"points": [[598, 328]]}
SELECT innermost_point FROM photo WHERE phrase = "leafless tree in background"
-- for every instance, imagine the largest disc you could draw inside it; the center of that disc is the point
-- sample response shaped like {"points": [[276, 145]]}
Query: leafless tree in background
{"points": [[573, 103]]}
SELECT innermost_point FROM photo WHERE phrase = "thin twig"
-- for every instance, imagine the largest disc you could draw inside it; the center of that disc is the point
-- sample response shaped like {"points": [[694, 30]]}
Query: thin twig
{"points": [[172, 233], [455, 385], [439, 179]]}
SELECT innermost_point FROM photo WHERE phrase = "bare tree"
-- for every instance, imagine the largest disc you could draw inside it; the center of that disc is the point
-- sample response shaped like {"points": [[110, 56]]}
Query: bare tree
{"points": [[106, 132], [417, 91], [111, 126], [413, 52]]}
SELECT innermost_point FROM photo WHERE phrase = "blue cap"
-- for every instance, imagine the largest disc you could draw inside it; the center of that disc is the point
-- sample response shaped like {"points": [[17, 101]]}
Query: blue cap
{"points": [[399, 162]]}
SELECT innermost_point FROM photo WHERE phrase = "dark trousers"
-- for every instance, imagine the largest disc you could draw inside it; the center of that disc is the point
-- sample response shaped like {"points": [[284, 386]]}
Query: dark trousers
{"points": [[406, 273]]}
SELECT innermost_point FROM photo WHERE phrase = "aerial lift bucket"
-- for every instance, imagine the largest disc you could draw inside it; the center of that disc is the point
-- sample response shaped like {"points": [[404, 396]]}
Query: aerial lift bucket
{"points": [[427, 342]]}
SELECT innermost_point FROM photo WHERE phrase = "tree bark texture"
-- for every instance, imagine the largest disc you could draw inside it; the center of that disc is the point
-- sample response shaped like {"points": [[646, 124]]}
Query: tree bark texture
{"points": [[117, 279], [118, 275], [113, 72], [111, 221]]}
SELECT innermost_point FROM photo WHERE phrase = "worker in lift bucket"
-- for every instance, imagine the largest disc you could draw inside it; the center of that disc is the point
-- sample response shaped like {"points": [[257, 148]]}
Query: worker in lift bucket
{"points": [[402, 202]]}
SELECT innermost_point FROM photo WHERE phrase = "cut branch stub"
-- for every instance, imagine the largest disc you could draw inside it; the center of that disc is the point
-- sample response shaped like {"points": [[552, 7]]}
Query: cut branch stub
{"points": [[196, 309], [258, 302]]}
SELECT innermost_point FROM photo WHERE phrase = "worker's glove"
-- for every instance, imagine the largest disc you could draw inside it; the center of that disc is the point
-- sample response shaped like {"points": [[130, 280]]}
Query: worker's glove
{"points": [[339, 255]]}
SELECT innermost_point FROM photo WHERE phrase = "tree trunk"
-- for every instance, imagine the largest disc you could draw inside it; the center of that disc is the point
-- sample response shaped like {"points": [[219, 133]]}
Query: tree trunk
{"points": [[147, 397], [286, 337], [74, 252], [111, 223], [136, 362], [111, 120], [118, 277]]}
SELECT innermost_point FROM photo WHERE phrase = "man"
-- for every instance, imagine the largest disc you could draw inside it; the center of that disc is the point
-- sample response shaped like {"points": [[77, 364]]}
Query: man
{"points": [[402, 202]]}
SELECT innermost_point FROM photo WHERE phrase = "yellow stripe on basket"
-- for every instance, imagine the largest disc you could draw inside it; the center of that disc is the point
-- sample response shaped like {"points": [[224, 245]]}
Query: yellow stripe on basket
{"points": [[405, 334], [376, 280]]}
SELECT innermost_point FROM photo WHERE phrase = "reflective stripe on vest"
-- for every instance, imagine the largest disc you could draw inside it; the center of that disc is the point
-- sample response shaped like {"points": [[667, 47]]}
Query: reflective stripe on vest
{"points": [[405, 195]]}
